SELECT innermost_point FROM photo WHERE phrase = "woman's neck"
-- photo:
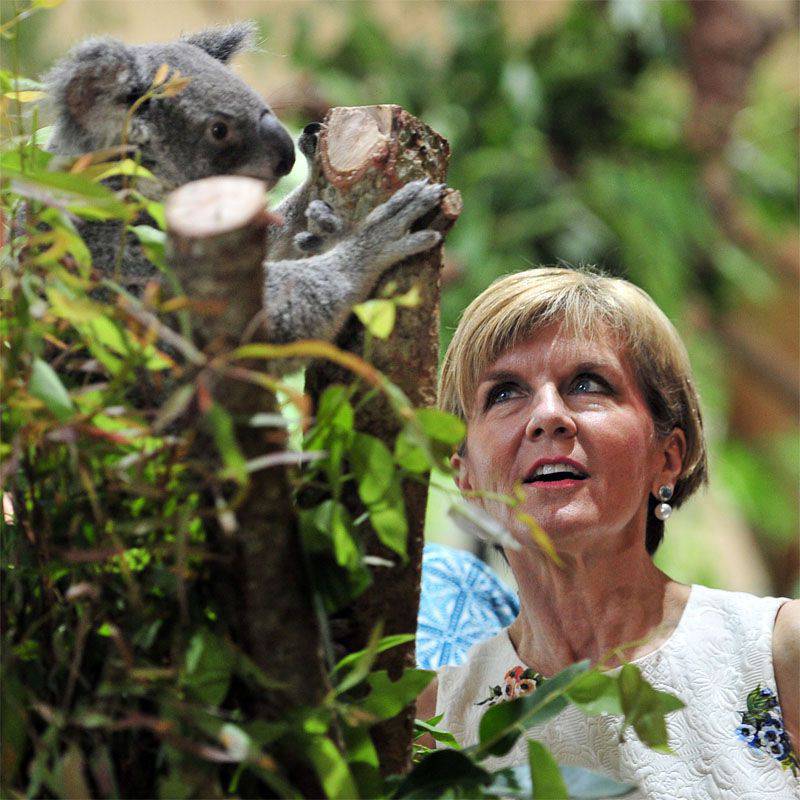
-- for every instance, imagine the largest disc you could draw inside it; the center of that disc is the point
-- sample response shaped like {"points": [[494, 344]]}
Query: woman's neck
{"points": [[592, 606]]}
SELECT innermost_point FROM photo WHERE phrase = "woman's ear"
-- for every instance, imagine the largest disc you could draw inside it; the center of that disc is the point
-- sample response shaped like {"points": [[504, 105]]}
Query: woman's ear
{"points": [[671, 456], [458, 461]]}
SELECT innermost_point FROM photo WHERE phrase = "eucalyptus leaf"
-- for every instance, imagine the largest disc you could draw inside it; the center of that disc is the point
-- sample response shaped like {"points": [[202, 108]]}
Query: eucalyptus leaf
{"points": [[645, 707], [208, 666], [373, 466], [331, 768], [545, 774], [388, 698], [442, 770], [596, 693], [222, 429], [377, 316], [45, 385]]}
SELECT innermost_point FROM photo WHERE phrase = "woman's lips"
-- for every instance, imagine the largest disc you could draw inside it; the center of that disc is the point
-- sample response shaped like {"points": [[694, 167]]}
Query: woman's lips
{"points": [[561, 483]]}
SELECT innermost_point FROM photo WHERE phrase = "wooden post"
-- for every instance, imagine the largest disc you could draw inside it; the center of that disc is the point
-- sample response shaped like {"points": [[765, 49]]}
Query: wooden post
{"points": [[216, 230], [363, 156]]}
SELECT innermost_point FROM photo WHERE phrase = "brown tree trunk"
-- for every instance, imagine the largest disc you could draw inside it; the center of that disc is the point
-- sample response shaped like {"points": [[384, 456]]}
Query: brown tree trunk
{"points": [[364, 155], [216, 233]]}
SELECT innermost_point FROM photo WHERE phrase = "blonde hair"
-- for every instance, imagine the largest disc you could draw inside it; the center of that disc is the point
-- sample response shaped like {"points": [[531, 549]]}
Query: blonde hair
{"points": [[587, 303]]}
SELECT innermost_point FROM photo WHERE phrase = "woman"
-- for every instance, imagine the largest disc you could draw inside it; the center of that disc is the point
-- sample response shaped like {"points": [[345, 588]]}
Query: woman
{"points": [[576, 388]]}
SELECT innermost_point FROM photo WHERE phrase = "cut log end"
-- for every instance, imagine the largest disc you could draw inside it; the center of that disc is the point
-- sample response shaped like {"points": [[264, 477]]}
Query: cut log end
{"points": [[218, 205], [357, 136]]}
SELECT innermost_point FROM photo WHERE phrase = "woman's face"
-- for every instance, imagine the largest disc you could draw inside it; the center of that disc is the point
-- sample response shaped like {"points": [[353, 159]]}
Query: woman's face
{"points": [[564, 418]]}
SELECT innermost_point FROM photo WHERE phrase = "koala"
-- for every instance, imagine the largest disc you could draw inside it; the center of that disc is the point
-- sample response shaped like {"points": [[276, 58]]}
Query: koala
{"points": [[216, 125]]}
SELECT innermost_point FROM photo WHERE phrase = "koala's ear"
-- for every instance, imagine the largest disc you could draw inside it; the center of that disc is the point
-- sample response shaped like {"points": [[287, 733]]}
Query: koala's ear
{"points": [[223, 42], [94, 81]]}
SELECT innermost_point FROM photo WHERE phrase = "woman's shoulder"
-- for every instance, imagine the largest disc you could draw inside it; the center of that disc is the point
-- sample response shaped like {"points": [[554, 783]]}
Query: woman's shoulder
{"points": [[737, 610], [462, 689]]}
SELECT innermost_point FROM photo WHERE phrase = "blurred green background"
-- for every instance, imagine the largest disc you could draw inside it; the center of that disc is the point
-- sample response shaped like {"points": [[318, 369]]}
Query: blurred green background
{"points": [[657, 140]]}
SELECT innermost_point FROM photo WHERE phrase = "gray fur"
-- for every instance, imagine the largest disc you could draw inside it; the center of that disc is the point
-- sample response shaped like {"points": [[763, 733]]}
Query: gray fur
{"points": [[93, 87], [225, 41], [92, 90]]}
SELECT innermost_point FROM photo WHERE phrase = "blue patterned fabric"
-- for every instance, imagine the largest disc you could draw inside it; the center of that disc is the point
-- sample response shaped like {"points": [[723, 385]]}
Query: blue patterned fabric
{"points": [[462, 602]]}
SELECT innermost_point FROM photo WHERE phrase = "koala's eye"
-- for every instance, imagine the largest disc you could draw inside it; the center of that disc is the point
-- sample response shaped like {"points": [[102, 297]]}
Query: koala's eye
{"points": [[219, 131]]}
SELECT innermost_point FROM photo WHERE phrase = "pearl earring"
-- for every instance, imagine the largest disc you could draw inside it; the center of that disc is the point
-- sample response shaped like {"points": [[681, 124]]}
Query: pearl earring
{"points": [[664, 509]]}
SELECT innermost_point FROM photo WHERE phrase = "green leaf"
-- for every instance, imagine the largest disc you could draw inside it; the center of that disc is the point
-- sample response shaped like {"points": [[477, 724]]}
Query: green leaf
{"points": [[127, 166], [76, 309], [422, 727], [377, 316], [502, 724], [442, 770], [174, 406], [386, 643], [409, 299], [645, 707], [363, 760], [361, 665], [65, 190], [221, 424], [153, 243], [410, 455], [330, 766], [207, 672], [373, 466], [441, 426], [45, 385], [335, 415], [545, 774], [389, 521], [388, 698], [583, 784], [596, 693], [332, 518]]}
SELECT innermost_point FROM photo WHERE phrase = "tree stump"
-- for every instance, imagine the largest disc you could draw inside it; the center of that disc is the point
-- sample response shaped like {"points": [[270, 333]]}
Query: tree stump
{"points": [[216, 230], [363, 156]]}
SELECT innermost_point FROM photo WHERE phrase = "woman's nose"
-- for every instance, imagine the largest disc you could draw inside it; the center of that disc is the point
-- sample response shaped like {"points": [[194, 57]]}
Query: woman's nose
{"points": [[549, 416]]}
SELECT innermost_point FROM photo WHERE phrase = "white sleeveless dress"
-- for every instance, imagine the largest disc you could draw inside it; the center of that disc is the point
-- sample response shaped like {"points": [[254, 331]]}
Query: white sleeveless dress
{"points": [[719, 653]]}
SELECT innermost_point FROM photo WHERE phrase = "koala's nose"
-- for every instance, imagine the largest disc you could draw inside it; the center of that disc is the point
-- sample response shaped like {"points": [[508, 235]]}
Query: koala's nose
{"points": [[277, 138]]}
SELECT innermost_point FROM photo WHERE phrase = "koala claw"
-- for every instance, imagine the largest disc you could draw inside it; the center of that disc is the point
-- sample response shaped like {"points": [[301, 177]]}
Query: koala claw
{"points": [[410, 245], [321, 219], [407, 204], [307, 143], [308, 243]]}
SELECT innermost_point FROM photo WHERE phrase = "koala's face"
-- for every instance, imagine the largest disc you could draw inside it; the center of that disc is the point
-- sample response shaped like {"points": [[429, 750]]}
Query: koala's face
{"points": [[215, 125]]}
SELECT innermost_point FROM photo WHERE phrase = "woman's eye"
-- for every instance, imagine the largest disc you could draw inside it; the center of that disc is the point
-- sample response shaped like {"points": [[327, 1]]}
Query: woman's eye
{"points": [[500, 393], [590, 384]]}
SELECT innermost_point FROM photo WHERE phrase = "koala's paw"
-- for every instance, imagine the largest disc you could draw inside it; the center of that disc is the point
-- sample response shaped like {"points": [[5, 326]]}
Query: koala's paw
{"points": [[307, 143], [323, 229], [385, 230], [308, 243], [321, 219], [405, 206]]}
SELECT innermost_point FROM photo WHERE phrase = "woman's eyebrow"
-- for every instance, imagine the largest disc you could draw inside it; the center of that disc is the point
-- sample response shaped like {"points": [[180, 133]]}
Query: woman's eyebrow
{"points": [[499, 375], [594, 366]]}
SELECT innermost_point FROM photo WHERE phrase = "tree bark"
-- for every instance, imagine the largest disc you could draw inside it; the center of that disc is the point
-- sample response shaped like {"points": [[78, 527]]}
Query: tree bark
{"points": [[216, 232], [363, 156]]}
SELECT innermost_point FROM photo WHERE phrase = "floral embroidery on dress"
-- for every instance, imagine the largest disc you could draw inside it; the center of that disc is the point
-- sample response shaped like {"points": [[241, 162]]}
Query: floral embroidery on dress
{"points": [[762, 728], [517, 682]]}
